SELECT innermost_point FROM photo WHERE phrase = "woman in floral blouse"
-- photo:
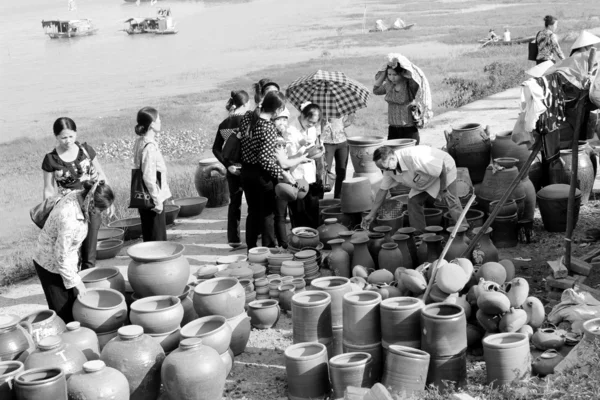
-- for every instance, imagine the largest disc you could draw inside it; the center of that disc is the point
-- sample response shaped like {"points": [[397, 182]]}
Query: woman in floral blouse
{"points": [[66, 168], [547, 42], [56, 256]]}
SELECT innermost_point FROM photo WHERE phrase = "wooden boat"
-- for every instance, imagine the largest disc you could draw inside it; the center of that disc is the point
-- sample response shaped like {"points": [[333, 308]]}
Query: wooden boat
{"points": [[520, 40], [392, 28], [69, 28], [162, 24]]}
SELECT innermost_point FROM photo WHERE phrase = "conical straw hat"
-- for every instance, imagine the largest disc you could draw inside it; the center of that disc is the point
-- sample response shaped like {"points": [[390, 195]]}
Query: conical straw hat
{"points": [[585, 39], [539, 70]]}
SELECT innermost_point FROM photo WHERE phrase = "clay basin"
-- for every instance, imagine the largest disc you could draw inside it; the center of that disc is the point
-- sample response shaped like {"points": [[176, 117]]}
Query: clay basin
{"points": [[157, 314], [108, 248], [171, 211], [110, 233], [219, 296], [131, 226], [153, 251], [102, 310], [213, 330], [191, 206]]}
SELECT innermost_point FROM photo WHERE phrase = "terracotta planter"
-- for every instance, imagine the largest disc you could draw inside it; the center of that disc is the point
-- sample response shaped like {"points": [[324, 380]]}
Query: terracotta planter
{"points": [[390, 257], [189, 313], [484, 251], [311, 317], [286, 292], [559, 171], [475, 218], [356, 195], [405, 370], [16, 343], [168, 341], [219, 296], [401, 321], [470, 146], [361, 254], [264, 314], [373, 349], [158, 269], [98, 382], [509, 208], [105, 277], [41, 384], [44, 323], [52, 352], [213, 330], [240, 328], [101, 310], [307, 371], [448, 373], [8, 371], [350, 369], [361, 317], [210, 180], [157, 314], [339, 259], [507, 357], [330, 230], [139, 358], [83, 339], [193, 371], [336, 287], [443, 329]]}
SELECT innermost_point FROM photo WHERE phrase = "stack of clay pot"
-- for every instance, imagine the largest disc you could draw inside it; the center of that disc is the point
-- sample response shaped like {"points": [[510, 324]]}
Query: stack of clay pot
{"points": [[311, 261], [302, 238], [276, 260]]}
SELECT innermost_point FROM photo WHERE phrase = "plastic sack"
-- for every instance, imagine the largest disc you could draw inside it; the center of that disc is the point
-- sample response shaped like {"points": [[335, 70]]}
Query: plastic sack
{"points": [[575, 307]]}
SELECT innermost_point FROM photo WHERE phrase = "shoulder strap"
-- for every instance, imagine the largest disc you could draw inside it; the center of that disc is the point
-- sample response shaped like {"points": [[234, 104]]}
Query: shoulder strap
{"points": [[84, 151]]}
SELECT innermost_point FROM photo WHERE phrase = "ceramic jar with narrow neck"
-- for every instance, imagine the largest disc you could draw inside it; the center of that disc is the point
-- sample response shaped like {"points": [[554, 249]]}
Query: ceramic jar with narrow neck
{"points": [[330, 230], [52, 352], [403, 241], [347, 246], [339, 259], [98, 382], [82, 338], [361, 254]]}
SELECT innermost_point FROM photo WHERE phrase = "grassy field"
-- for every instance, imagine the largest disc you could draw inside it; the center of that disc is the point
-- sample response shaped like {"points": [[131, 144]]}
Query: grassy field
{"points": [[190, 121]]}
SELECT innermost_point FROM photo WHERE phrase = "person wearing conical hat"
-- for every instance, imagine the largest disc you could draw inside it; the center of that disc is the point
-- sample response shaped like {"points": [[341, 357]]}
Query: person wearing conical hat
{"points": [[584, 42]]}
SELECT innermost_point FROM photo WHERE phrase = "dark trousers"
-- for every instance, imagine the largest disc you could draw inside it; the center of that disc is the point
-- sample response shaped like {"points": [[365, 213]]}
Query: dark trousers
{"points": [[340, 152], [88, 247], [59, 298], [403, 132], [154, 226], [280, 225], [260, 196], [234, 212], [305, 212]]}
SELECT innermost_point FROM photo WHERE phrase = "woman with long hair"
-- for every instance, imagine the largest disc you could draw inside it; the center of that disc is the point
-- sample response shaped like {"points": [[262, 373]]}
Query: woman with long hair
{"points": [[547, 41]]}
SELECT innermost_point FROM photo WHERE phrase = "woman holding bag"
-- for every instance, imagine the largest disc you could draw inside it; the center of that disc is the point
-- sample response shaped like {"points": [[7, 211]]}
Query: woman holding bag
{"points": [[148, 158]]}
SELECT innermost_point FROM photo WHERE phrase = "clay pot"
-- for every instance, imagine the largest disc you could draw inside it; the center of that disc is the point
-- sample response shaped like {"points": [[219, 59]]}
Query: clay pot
{"points": [[302, 237], [405, 370], [189, 313], [350, 369], [286, 292], [505, 231], [414, 281], [41, 384], [16, 342], [443, 329], [470, 146], [507, 357], [210, 180], [104, 338], [219, 296], [547, 338], [451, 278], [591, 329], [292, 268], [503, 146], [393, 221], [404, 242], [559, 171], [346, 220], [240, 328], [168, 341], [361, 149], [213, 330], [485, 250], [553, 203], [356, 195], [105, 277], [422, 249], [448, 373], [545, 363], [82, 338], [390, 257], [376, 239], [381, 277], [157, 314], [373, 349], [193, 371], [330, 230], [361, 316], [401, 321], [361, 254], [336, 287], [307, 371], [101, 310], [517, 291], [300, 284], [139, 358], [258, 255], [535, 312], [98, 382], [339, 259], [264, 314], [8, 371], [347, 246], [458, 245], [158, 269], [44, 323], [492, 272], [311, 317], [508, 209], [325, 204], [227, 359], [52, 352]]}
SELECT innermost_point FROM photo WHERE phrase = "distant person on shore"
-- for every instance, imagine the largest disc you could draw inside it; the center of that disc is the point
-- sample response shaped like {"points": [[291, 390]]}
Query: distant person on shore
{"points": [[547, 41], [492, 35], [333, 135], [506, 35], [584, 42], [66, 168], [56, 255], [147, 157], [237, 105]]}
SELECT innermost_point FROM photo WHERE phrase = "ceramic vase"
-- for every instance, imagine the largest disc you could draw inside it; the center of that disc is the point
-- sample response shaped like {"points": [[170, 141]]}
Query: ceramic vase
{"points": [[422, 249], [458, 245], [330, 230], [559, 171], [361, 254], [375, 241], [434, 247], [390, 257], [470, 146], [484, 250]]}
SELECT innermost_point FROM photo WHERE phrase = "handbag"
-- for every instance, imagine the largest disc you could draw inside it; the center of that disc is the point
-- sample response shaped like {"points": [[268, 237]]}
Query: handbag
{"points": [[533, 49], [140, 196], [40, 213]]}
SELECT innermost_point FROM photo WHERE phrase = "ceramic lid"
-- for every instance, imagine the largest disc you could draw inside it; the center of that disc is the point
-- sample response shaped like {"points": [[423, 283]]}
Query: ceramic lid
{"points": [[73, 326], [94, 366], [557, 191], [130, 331]]}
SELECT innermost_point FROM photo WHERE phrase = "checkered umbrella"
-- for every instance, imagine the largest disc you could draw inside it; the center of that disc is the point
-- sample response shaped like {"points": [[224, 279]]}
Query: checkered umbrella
{"points": [[334, 92]]}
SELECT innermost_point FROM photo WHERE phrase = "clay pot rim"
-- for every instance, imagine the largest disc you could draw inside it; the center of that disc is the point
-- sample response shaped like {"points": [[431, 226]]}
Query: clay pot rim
{"points": [[298, 297], [340, 361], [400, 236], [335, 241], [433, 238], [491, 341], [469, 126], [392, 303], [32, 316], [361, 347], [137, 251], [235, 258], [432, 212], [81, 298], [330, 221], [345, 233], [282, 287], [258, 250], [164, 335], [407, 229], [175, 302], [57, 374], [289, 351], [478, 213], [89, 367], [199, 322], [329, 201], [590, 324], [10, 320], [239, 316], [376, 235], [383, 229], [84, 273], [389, 246], [408, 351], [263, 304], [461, 229], [17, 367], [375, 298], [425, 310], [330, 279], [305, 229], [487, 231], [197, 289], [359, 240]]}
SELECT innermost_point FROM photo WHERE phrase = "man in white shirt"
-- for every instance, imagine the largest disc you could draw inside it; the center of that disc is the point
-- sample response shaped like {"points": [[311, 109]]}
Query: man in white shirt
{"points": [[427, 171]]}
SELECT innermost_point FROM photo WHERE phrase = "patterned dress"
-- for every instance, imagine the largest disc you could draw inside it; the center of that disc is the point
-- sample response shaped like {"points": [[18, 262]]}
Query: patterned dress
{"points": [[548, 46], [70, 175]]}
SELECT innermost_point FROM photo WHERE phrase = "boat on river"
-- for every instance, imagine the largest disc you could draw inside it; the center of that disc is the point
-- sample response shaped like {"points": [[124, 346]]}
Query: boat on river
{"points": [[162, 24], [519, 40], [68, 28]]}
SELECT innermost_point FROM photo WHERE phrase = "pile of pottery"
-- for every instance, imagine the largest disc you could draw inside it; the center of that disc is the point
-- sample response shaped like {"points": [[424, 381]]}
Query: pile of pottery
{"points": [[304, 237], [311, 261]]}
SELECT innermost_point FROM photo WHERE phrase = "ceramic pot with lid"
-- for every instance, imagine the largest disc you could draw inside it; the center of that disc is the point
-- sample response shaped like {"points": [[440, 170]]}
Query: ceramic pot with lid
{"points": [[98, 382], [53, 352], [82, 338]]}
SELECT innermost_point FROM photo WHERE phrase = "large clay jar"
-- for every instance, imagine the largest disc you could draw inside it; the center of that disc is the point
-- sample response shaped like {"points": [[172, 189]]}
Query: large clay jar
{"points": [[350, 369], [458, 245], [41, 384], [484, 250], [101, 310], [337, 287], [157, 314], [390, 257], [361, 254], [503, 146], [264, 314], [505, 231], [158, 269], [307, 371], [530, 192], [82, 338], [240, 328], [330, 230], [105, 277], [52, 352], [16, 342], [311, 317], [8, 371], [98, 382], [356, 195], [325, 204], [559, 171], [211, 182], [553, 201], [422, 249], [373, 349], [498, 178], [194, 371], [443, 329], [412, 247], [376, 239], [347, 246], [213, 330], [470, 146], [361, 154], [339, 259], [507, 357], [434, 247], [508, 209], [401, 321], [189, 313], [219, 296], [139, 358], [405, 370], [362, 317], [44, 323]]}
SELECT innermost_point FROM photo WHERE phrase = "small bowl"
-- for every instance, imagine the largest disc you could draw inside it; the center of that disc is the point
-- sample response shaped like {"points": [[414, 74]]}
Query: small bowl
{"points": [[131, 226], [191, 206], [110, 233], [171, 211], [108, 248]]}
